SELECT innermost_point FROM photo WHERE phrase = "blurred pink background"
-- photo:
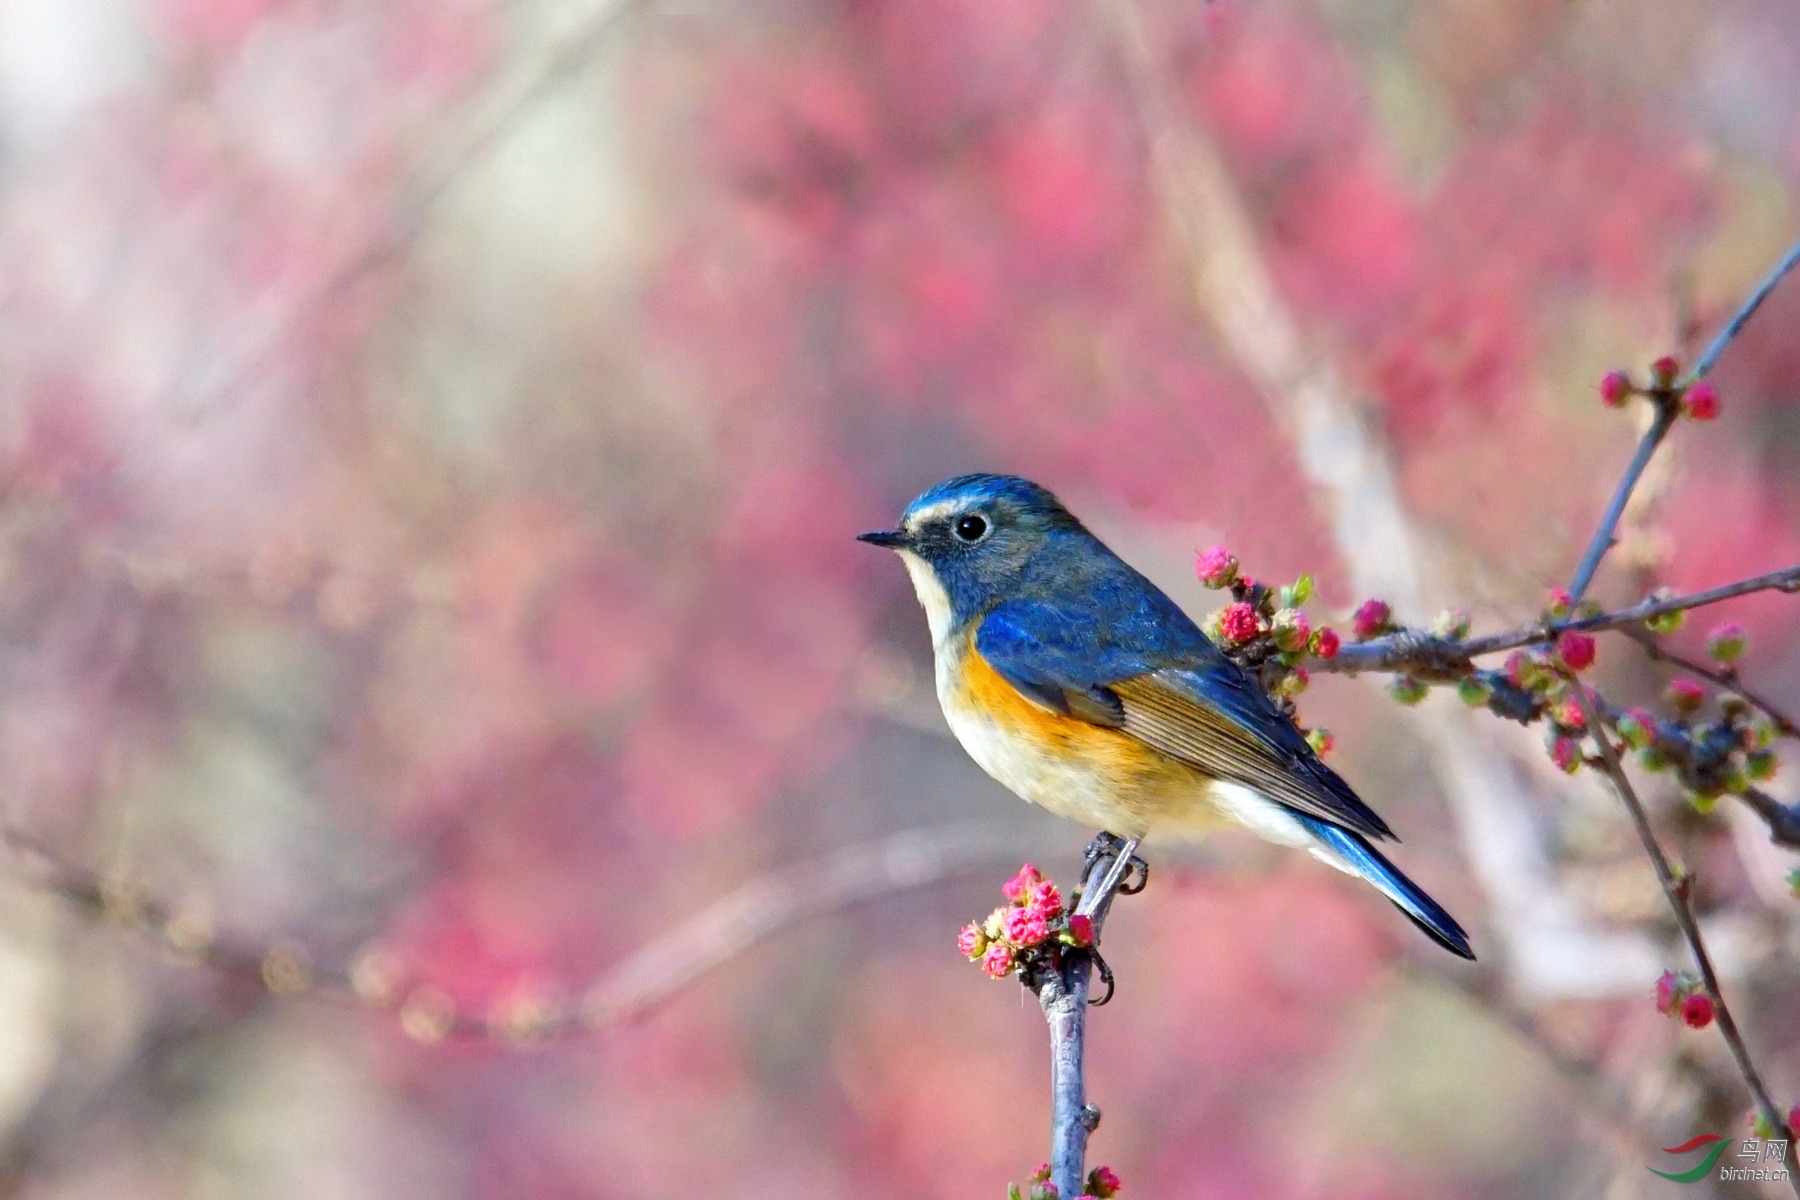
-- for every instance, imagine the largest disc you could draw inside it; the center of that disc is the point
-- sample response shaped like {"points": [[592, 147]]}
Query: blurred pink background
{"points": [[432, 438]]}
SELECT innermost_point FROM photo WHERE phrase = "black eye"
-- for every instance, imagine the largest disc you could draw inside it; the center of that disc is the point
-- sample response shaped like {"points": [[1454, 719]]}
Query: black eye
{"points": [[970, 527]]}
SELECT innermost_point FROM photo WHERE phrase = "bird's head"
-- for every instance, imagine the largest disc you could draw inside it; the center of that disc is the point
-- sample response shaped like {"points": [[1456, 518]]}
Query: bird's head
{"points": [[967, 540]]}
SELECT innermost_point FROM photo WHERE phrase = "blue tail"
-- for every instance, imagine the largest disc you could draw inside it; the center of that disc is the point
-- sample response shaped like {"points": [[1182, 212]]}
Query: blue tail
{"points": [[1407, 896]]}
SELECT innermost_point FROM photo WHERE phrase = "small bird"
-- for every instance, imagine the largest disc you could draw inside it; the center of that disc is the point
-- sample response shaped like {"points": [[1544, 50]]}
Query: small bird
{"points": [[1079, 685]]}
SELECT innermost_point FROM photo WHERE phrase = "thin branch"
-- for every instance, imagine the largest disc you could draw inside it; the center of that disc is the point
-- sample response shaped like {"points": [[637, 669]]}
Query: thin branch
{"points": [[1676, 890], [1667, 410], [1431, 657], [653, 974], [1062, 993], [1745, 311], [422, 195], [1727, 679]]}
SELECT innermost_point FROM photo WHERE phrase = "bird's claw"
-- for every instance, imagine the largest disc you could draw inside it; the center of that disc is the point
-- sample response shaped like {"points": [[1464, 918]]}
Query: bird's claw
{"points": [[1106, 977], [1108, 845]]}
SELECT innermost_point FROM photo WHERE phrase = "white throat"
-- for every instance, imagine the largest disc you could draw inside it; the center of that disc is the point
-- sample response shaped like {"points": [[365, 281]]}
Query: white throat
{"points": [[932, 596]]}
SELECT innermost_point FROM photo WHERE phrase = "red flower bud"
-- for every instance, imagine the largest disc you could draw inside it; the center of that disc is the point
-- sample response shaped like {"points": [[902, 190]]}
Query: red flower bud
{"points": [[1103, 1183], [1665, 369], [1045, 899], [1566, 753], [997, 962], [1615, 386], [1576, 650], [972, 941], [1081, 928], [1370, 619], [1325, 643], [1238, 622], [1701, 402], [1697, 1010]]}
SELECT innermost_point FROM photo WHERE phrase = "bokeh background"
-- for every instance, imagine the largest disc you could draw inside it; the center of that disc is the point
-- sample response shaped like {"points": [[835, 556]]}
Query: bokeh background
{"points": [[432, 437]]}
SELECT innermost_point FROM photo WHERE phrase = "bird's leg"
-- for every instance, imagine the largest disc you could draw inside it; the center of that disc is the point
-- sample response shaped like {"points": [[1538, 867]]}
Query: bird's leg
{"points": [[1104, 845], [1109, 845]]}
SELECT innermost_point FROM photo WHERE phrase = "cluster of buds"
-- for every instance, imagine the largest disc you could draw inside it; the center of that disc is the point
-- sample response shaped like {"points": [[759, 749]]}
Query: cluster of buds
{"points": [[1679, 994], [1698, 401], [1264, 629], [1102, 1184], [1031, 925], [1711, 755], [1760, 1126]]}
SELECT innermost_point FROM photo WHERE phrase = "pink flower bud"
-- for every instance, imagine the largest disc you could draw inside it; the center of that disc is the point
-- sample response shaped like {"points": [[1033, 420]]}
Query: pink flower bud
{"points": [[1697, 1010], [1371, 619], [1727, 642], [998, 961], [1103, 1183], [1081, 929], [1216, 567], [1042, 1174], [1325, 643], [972, 941], [1570, 716], [1045, 900], [1238, 622], [1684, 695], [1020, 885], [1576, 650], [1665, 369], [1668, 992], [1566, 753], [1560, 602], [1615, 386], [1025, 927], [1701, 402]]}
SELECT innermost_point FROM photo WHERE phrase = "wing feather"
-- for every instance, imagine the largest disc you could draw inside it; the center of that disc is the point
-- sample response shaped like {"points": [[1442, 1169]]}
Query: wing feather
{"points": [[1167, 717]]}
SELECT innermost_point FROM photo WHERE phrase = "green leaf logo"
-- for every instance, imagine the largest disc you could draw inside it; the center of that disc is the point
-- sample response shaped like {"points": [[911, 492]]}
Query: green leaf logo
{"points": [[1719, 1145]]}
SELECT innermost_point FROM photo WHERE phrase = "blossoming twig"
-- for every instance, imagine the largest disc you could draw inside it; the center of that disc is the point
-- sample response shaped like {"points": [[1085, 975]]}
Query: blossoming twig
{"points": [[1676, 889], [1726, 678], [1432, 657]]}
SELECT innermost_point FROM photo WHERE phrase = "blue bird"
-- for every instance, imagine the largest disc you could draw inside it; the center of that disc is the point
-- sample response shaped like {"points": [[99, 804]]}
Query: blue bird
{"points": [[1079, 685]]}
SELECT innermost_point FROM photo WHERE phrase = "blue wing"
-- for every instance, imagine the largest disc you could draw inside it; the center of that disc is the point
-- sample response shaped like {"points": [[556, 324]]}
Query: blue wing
{"points": [[1135, 662]]}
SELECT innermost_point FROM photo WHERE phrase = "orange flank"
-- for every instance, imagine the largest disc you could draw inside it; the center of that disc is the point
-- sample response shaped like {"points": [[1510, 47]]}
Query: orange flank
{"points": [[1087, 772]]}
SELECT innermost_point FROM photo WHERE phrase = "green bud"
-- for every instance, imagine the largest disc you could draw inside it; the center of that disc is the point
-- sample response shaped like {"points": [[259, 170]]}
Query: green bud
{"points": [[1736, 781], [1473, 691], [1760, 765], [1668, 622], [1652, 759], [1703, 803], [1407, 690], [1301, 591]]}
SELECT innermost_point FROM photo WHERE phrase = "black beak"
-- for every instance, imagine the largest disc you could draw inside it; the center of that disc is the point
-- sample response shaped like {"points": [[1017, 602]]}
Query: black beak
{"points": [[892, 539]]}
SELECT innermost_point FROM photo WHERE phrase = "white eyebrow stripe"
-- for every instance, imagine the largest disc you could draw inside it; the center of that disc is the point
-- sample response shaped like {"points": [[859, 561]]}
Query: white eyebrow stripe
{"points": [[932, 511]]}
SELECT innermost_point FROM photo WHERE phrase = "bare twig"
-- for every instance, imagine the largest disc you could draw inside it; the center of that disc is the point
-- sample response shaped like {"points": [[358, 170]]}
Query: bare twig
{"points": [[1676, 889], [1606, 534], [420, 197], [661, 969], [1746, 310]]}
